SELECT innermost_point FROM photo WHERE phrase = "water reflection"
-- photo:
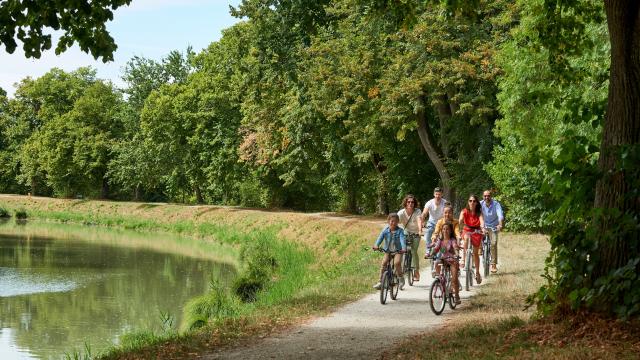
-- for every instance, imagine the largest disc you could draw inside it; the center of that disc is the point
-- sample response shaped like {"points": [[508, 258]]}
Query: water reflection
{"points": [[62, 286]]}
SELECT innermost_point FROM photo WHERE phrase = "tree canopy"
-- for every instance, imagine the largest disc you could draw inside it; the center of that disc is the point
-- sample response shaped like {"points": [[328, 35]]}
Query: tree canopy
{"points": [[82, 21]]}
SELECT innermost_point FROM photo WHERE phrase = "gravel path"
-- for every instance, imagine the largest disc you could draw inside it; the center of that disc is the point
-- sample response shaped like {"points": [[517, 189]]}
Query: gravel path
{"points": [[360, 330]]}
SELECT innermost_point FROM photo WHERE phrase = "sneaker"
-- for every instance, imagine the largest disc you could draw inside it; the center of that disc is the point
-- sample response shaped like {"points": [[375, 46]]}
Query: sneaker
{"points": [[377, 286], [494, 269], [402, 283]]}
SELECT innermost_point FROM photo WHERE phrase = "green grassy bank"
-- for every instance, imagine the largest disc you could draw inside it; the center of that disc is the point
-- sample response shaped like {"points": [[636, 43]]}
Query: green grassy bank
{"points": [[293, 266]]}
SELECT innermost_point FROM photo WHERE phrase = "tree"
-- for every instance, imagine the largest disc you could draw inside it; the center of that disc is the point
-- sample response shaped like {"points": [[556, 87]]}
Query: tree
{"points": [[82, 21], [132, 167]]}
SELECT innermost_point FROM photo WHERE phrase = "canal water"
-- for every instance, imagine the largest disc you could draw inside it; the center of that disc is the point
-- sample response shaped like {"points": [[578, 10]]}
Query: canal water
{"points": [[63, 286]]}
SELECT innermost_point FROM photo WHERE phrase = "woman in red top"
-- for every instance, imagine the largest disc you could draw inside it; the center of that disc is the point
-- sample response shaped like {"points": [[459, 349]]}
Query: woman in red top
{"points": [[471, 217]]}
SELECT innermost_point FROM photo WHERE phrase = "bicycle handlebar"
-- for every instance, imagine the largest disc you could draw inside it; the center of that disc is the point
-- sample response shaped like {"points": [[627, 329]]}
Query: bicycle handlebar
{"points": [[389, 252]]}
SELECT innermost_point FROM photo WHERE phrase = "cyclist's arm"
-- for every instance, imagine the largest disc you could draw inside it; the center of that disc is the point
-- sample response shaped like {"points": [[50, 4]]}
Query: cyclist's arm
{"points": [[380, 238], [482, 221], [403, 241], [461, 220], [437, 230], [456, 229], [420, 223], [500, 215], [425, 213], [437, 246]]}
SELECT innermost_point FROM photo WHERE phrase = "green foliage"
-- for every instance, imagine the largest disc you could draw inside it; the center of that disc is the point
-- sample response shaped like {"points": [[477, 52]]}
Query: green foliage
{"points": [[21, 214], [218, 303], [551, 123], [80, 355], [81, 21], [260, 265], [4, 213]]}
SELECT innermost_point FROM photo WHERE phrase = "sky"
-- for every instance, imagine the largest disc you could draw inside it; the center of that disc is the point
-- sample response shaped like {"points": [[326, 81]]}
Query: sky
{"points": [[147, 28]]}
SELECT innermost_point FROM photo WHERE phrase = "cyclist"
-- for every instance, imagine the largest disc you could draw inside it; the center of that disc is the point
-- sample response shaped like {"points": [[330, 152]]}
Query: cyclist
{"points": [[433, 211], [394, 241], [411, 222], [448, 217], [493, 218], [447, 245], [473, 221]]}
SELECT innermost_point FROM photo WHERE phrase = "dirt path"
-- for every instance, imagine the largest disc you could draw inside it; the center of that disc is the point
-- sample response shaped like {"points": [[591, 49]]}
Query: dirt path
{"points": [[360, 330]]}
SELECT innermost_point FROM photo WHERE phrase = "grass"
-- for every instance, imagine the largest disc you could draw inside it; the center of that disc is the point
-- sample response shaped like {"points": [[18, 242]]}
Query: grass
{"points": [[496, 324], [321, 263], [4, 213]]}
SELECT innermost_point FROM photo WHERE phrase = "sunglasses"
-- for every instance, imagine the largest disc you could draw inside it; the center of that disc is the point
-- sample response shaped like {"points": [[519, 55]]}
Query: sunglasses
{"points": [[411, 202], [472, 201]]}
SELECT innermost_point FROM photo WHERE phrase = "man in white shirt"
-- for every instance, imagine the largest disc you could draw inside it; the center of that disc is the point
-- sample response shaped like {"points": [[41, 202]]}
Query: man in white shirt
{"points": [[433, 211]]}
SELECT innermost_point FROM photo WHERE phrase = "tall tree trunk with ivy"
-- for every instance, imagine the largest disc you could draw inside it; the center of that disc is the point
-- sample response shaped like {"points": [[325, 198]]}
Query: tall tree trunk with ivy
{"points": [[617, 189]]}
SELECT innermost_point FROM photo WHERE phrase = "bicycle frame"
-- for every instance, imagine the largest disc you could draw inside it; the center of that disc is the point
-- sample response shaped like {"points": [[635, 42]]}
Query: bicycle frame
{"points": [[468, 261], [486, 250], [441, 288], [389, 281], [407, 263]]}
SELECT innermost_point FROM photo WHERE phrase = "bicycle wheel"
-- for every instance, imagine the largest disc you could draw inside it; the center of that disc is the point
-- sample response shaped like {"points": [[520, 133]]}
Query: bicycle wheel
{"points": [[469, 271], [394, 287], [437, 299], [408, 270], [384, 288], [487, 255], [450, 296]]}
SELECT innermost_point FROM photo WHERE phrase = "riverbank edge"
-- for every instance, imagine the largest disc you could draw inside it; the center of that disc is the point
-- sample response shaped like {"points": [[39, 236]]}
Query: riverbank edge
{"points": [[331, 235]]}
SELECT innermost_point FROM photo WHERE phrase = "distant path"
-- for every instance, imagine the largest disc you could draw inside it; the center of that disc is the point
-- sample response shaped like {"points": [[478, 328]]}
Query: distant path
{"points": [[360, 330]]}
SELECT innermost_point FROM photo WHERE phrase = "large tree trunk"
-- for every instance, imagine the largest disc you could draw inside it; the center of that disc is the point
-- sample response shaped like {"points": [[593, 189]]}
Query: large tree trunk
{"points": [[199, 198], [352, 190], [434, 153], [621, 129], [104, 191]]}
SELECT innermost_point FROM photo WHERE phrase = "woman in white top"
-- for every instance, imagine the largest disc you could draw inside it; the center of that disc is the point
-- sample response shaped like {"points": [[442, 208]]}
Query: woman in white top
{"points": [[411, 221]]}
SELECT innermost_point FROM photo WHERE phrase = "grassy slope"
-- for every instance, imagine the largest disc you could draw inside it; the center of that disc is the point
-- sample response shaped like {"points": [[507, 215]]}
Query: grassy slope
{"points": [[341, 269], [496, 324]]}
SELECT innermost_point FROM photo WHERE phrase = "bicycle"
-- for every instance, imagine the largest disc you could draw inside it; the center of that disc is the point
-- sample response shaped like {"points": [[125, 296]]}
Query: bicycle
{"points": [[486, 250], [469, 266], [390, 282], [407, 265], [441, 291]]}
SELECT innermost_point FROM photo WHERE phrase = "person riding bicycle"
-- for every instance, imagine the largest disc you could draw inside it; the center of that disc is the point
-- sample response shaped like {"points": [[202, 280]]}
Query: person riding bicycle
{"points": [[411, 222], [473, 221], [432, 212], [394, 241], [446, 245], [493, 218], [448, 217]]}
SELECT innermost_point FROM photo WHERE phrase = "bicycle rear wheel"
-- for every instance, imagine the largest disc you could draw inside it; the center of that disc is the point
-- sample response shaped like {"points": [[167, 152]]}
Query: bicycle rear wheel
{"points": [[437, 297], [384, 288], [408, 270], [450, 296], [468, 271], [487, 255]]}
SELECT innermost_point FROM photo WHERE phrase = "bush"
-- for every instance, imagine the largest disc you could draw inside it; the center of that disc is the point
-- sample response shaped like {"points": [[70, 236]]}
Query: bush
{"points": [[21, 214], [216, 304], [4, 213], [260, 265]]}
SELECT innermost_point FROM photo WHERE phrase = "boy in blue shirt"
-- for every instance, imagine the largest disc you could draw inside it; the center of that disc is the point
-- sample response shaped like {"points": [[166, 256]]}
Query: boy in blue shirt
{"points": [[394, 241]]}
